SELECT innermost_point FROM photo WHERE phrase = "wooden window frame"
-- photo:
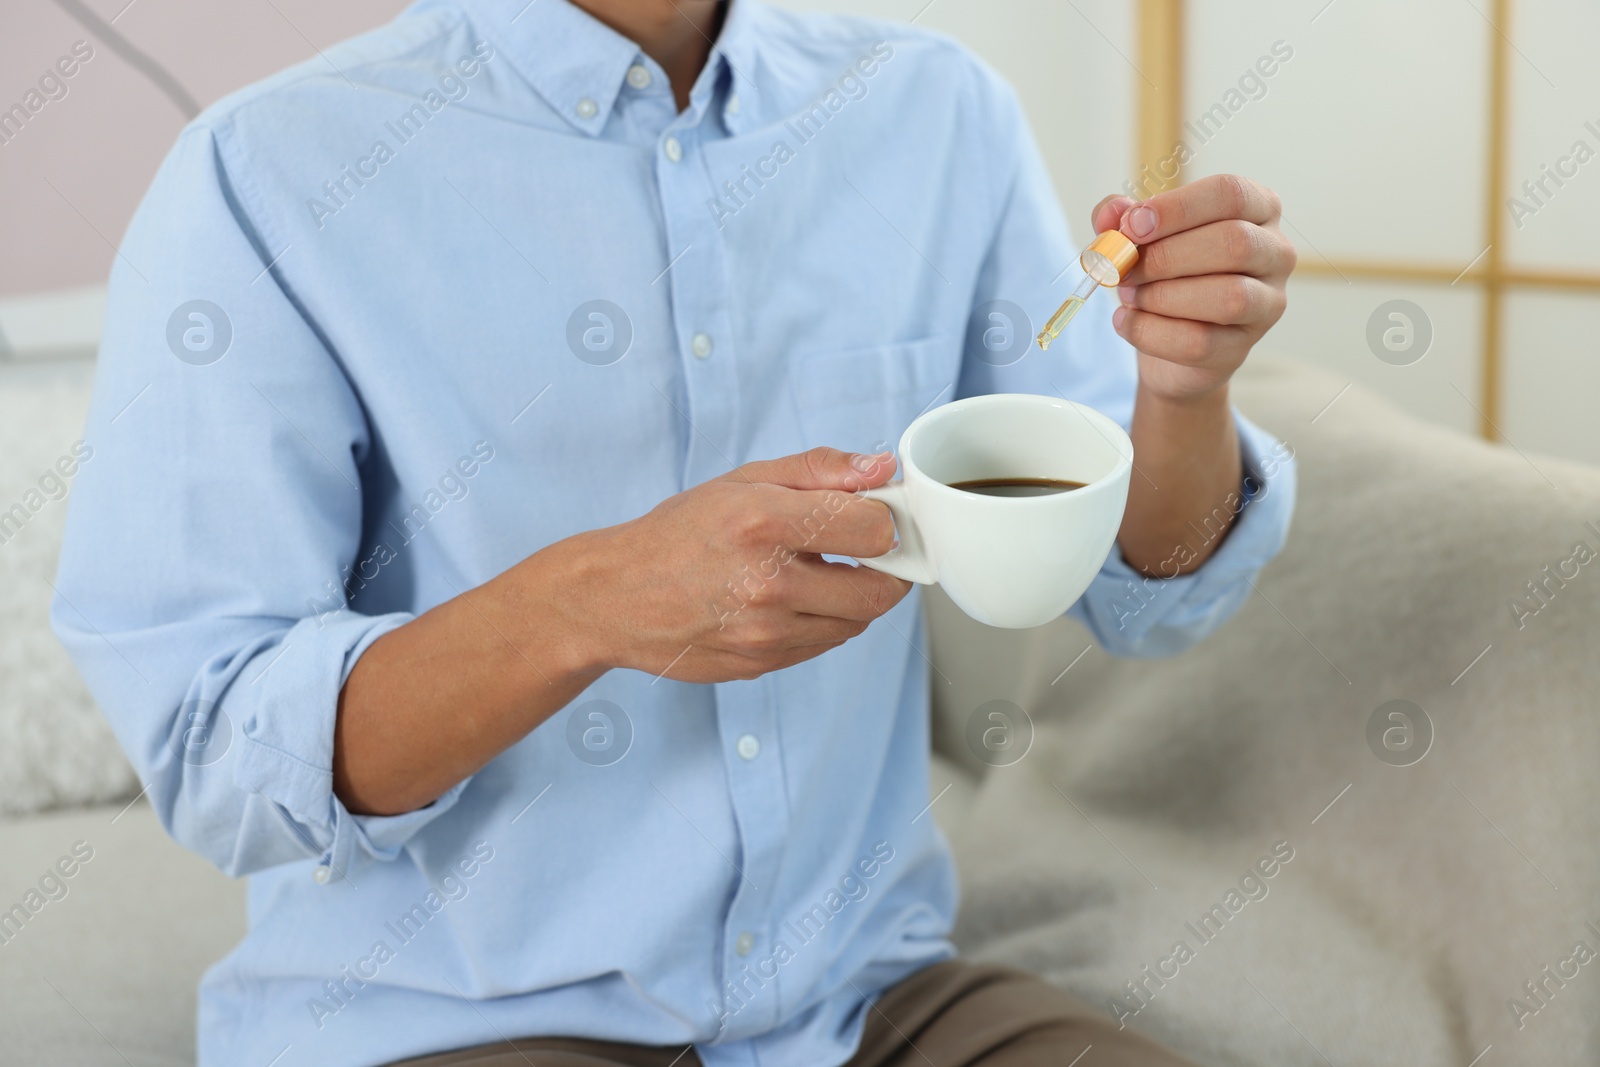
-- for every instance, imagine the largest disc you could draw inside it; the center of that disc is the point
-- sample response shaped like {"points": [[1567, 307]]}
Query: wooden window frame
{"points": [[1160, 30]]}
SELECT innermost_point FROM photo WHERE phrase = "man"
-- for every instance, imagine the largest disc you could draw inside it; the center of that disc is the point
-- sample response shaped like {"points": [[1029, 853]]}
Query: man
{"points": [[456, 386]]}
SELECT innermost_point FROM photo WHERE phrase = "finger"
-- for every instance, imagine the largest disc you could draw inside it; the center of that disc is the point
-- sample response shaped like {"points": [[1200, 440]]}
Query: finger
{"points": [[1225, 299], [835, 522], [821, 468], [826, 630], [1229, 247], [1221, 196], [1107, 214], [778, 632], [759, 665], [840, 591], [720, 665], [1175, 340]]}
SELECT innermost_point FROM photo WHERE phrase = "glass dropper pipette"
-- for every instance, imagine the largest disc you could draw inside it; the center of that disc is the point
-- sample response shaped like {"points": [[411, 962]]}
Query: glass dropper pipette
{"points": [[1106, 261]]}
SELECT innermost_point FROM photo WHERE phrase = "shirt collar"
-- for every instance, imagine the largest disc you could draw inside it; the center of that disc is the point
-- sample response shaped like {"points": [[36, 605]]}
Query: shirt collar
{"points": [[736, 49], [578, 63]]}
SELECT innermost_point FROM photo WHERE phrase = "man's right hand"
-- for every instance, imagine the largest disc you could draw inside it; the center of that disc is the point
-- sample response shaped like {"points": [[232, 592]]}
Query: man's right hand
{"points": [[726, 580], [722, 582]]}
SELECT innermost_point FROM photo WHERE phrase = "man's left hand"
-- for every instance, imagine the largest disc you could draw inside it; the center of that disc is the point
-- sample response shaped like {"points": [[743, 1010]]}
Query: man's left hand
{"points": [[1213, 266]]}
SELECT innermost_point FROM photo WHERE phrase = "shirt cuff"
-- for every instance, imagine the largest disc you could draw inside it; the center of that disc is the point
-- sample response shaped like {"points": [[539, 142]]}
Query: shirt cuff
{"points": [[286, 743], [1132, 614]]}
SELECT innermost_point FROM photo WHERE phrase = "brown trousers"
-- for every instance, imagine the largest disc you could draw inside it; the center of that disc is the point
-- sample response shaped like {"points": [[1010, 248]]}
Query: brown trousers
{"points": [[953, 1014]]}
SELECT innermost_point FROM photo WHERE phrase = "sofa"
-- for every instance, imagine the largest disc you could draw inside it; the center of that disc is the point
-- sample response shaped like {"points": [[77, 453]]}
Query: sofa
{"points": [[1359, 825]]}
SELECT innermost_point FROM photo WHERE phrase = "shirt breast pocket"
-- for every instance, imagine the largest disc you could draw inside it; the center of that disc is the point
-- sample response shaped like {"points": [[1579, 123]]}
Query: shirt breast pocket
{"points": [[862, 399]]}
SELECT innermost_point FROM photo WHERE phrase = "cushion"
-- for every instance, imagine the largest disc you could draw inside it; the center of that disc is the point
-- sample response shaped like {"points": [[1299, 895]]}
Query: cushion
{"points": [[58, 749], [105, 969]]}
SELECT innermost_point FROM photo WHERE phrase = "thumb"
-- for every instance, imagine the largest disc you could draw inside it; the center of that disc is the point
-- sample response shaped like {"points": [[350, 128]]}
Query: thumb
{"points": [[1108, 212], [822, 468]]}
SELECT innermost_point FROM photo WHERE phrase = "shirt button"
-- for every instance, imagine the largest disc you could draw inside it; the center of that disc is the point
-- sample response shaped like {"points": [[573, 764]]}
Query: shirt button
{"points": [[700, 345], [745, 943], [587, 109], [673, 149], [733, 104], [321, 875], [748, 747], [639, 76]]}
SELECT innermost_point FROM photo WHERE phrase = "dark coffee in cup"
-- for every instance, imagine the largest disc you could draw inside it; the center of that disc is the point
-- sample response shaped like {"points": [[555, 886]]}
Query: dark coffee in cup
{"points": [[1015, 487]]}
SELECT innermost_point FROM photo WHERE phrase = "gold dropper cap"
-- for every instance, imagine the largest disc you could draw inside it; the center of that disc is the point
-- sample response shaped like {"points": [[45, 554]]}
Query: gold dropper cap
{"points": [[1109, 257]]}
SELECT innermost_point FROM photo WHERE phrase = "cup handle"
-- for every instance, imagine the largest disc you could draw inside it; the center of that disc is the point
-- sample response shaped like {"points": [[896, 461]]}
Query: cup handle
{"points": [[909, 559]]}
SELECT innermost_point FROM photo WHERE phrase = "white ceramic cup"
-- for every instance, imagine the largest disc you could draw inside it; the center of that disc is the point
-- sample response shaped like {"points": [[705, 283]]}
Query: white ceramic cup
{"points": [[1012, 562]]}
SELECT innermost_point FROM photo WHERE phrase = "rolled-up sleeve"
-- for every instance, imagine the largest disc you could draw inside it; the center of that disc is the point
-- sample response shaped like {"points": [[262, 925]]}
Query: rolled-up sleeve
{"points": [[213, 528], [1026, 274], [1132, 614]]}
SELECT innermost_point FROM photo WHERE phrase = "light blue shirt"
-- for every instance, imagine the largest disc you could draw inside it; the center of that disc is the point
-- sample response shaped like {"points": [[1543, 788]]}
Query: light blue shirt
{"points": [[354, 365]]}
